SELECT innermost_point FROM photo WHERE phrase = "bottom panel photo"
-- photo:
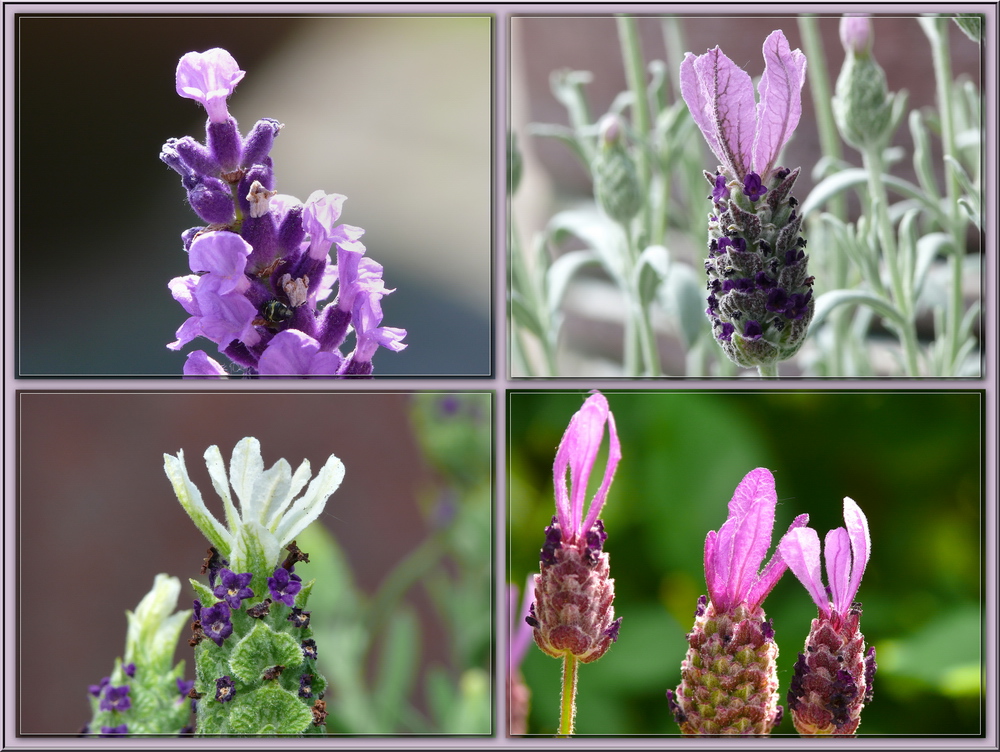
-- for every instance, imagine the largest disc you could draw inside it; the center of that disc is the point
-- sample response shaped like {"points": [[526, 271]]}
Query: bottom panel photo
{"points": [[255, 563], [766, 563]]}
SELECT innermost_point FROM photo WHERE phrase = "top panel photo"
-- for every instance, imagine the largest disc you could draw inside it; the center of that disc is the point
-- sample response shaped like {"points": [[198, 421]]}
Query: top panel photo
{"points": [[250, 197], [762, 196]]}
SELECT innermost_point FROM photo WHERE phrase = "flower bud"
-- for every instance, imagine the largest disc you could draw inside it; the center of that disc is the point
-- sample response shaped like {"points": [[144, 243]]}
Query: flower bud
{"points": [[856, 33], [616, 183], [862, 104]]}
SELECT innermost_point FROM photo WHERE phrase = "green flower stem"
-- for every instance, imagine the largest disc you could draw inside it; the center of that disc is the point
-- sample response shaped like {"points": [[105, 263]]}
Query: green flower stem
{"points": [[829, 139], [635, 73], [937, 32], [882, 226], [567, 711], [769, 371]]}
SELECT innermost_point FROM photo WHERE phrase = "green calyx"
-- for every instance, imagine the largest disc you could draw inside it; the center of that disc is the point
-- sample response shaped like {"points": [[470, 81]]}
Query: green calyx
{"points": [[862, 104]]}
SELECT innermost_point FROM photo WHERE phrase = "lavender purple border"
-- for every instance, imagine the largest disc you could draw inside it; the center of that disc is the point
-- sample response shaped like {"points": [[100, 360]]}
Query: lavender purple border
{"points": [[501, 13]]}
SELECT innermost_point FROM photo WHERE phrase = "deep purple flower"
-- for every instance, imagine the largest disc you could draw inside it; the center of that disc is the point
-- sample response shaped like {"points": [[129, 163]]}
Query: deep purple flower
{"points": [[309, 649], [233, 587], [225, 688], [299, 618], [184, 686], [721, 190], [114, 730], [847, 553], [305, 685], [734, 554], [209, 78], [215, 621], [752, 330], [116, 699], [129, 669], [96, 689], [753, 188], [745, 135], [283, 587]]}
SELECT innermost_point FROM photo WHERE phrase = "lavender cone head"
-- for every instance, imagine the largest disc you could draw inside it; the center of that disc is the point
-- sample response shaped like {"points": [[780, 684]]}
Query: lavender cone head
{"points": [[573, 612], [729, 680], [833, 677], [729, 677], [759, 291]]}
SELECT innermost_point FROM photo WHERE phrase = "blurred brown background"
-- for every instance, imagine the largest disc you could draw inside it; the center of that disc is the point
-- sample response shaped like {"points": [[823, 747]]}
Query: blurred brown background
{"points": [[98, 518]]}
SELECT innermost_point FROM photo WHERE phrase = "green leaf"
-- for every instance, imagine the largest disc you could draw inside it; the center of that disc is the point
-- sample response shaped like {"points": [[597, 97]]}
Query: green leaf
{"points": [[563, 270], [929, 247], [828, 301], [598, 233], [847, 179], [262, 649], [269, 709]]}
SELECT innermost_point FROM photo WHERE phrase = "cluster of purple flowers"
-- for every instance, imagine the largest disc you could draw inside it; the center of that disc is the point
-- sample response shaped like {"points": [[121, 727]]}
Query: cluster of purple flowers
{"points": [[261, 266]]}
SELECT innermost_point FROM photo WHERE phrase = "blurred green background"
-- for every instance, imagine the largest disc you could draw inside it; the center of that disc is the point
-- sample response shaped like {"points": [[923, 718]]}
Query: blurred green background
{"points": [[912, 460]]}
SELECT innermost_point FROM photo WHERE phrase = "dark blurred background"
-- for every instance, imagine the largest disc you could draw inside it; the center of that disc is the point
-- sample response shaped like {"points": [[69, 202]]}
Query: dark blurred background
{"points": [[98, 518], [393, 112], [912, 461]]}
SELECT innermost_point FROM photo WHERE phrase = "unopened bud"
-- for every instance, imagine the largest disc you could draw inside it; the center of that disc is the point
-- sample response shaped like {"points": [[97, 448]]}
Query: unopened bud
{"points": [[616, 183], [862, 104], [856, 33]]}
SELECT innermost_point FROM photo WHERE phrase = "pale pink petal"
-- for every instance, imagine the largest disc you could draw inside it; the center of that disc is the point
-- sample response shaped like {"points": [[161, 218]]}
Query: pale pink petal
{"points": [[695, 96], [771, 573], [780, 100], [614, 456], [752, 506], [861, 543], [801, 552], [732, 110], [837, 552]]}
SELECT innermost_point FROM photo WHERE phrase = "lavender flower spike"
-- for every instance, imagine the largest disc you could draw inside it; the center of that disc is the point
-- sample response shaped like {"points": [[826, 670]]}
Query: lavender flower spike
{"points": [[833, 676], [729, 682], [262, 265], [573, 612], [760, 295]]}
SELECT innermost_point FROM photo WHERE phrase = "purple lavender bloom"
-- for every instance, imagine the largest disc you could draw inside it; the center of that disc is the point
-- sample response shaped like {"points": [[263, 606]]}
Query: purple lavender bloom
{"points": [[305, 685], [233, 587], [283, 587], [216, 623], [731, 635], [573, 613], [745, 135], [309, 649], [262, 267], [129, 669], [116, 699], [834, 675], [299, 618], [758, 217]]}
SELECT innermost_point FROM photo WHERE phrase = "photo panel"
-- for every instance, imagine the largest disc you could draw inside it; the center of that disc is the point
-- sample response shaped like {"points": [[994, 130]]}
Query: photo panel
{"points": [[661, 601], [715, 196], [358, 528], [365, 136]]}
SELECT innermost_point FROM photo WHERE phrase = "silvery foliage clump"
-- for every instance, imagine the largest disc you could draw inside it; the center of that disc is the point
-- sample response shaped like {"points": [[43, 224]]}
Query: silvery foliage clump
{"points": [[888, 284]]}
